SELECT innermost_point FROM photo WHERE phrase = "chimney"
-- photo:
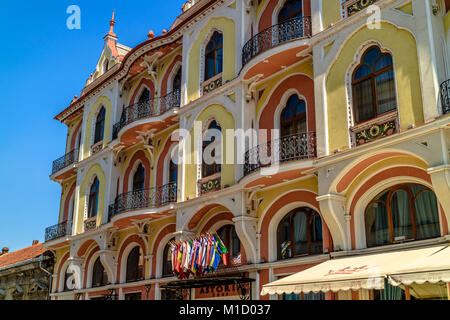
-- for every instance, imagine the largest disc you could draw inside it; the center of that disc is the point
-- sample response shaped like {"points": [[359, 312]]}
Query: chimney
{"points": [[5, 251], [35, 242]]}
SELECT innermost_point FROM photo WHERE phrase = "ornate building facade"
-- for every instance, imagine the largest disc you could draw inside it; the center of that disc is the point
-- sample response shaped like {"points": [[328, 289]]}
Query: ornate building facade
{"points": [[354, 101]]}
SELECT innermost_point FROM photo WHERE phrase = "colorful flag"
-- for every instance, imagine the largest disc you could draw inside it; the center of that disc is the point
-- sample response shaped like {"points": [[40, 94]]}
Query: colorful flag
{"points": [[284, 247], [237, 260]]}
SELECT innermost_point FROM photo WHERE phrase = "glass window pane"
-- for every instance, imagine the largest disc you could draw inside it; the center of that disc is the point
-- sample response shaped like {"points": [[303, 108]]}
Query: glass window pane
{"points": [[316, 235], [219, 68], [300, 233], [314, 296], [371, 56], [377, 227], [427, 216], [362, 72], [292, 297], [363, 101], [384, 62], [387, 100], [401, 215], [210, 72]]}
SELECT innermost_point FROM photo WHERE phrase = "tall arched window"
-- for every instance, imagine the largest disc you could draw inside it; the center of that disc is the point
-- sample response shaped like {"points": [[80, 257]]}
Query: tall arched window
{"points": [[93, 198], [214, 56], [99, 276], [401, 213], [300, 233], [230, 239], [100, 126], [211, 169], [293, 117], [139, 178], [373, 86], [135, 263], [176, 85], [167, 260], [290, 10]]}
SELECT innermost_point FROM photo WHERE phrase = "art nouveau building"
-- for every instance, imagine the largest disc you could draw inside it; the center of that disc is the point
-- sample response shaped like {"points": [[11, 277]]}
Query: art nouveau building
{"points": [[360, 102]]}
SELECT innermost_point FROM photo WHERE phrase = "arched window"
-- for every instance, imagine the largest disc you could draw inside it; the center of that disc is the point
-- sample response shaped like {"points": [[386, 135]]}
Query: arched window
{"points": [[176, 85], [230, 239], [139, 178], [290, 10], [93, 198], [214, 56], [401, 213], [135, 263], [167, 261], [211, 169], [373, 86], [293, 117], [99, 276], [100, 126], [300, 233]]}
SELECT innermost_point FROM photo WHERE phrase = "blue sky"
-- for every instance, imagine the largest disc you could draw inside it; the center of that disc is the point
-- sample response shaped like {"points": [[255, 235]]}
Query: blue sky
{"points": [[42, 66]]}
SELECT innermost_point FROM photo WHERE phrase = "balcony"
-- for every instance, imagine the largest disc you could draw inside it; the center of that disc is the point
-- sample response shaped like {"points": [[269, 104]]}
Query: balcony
{"points": [[58, 231], [147, 109], [445, 97], [65, 161], [299, 146], [143, 199], [296, 28]]}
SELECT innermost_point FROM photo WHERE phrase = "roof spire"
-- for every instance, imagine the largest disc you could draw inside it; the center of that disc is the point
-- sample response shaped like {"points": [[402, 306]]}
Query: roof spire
{"points": [[112, 23]]}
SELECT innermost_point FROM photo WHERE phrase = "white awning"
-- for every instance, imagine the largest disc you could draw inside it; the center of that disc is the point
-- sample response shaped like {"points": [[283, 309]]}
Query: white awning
{"points": [[352, 273], [432, 268]]}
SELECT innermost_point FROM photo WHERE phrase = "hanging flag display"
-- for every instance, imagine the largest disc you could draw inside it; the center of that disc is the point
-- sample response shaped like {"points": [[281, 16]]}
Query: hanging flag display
{"points": [[199, 256]]}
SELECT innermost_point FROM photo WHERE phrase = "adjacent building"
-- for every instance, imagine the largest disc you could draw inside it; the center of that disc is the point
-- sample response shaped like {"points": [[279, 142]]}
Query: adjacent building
{"points": [[344, 106], [26, 274]]}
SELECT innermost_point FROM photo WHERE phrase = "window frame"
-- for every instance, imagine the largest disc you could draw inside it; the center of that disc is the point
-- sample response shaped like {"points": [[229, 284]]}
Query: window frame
{"points": [[139, 267], [141, 178], [93, 198], [166, 270], [388, 205], [291, 15], [215, 168], [294, 120], [372, 77], [99, 131], [310, 215], [213, 52]]}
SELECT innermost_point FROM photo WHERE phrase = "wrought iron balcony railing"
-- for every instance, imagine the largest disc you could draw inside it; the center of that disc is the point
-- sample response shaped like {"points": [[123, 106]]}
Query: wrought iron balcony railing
{"points": [[294, 147], [445, 97], [58, 231], [296, 28], [144, 198], [146, 109], [65, 161]]}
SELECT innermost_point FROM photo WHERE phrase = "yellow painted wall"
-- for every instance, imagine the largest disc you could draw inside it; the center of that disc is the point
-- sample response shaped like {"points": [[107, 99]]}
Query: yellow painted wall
{"points": [[227, 26], [447, 23], [407, 77], [95, 170], [90, 122], [226, 121], [331, 12]]}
